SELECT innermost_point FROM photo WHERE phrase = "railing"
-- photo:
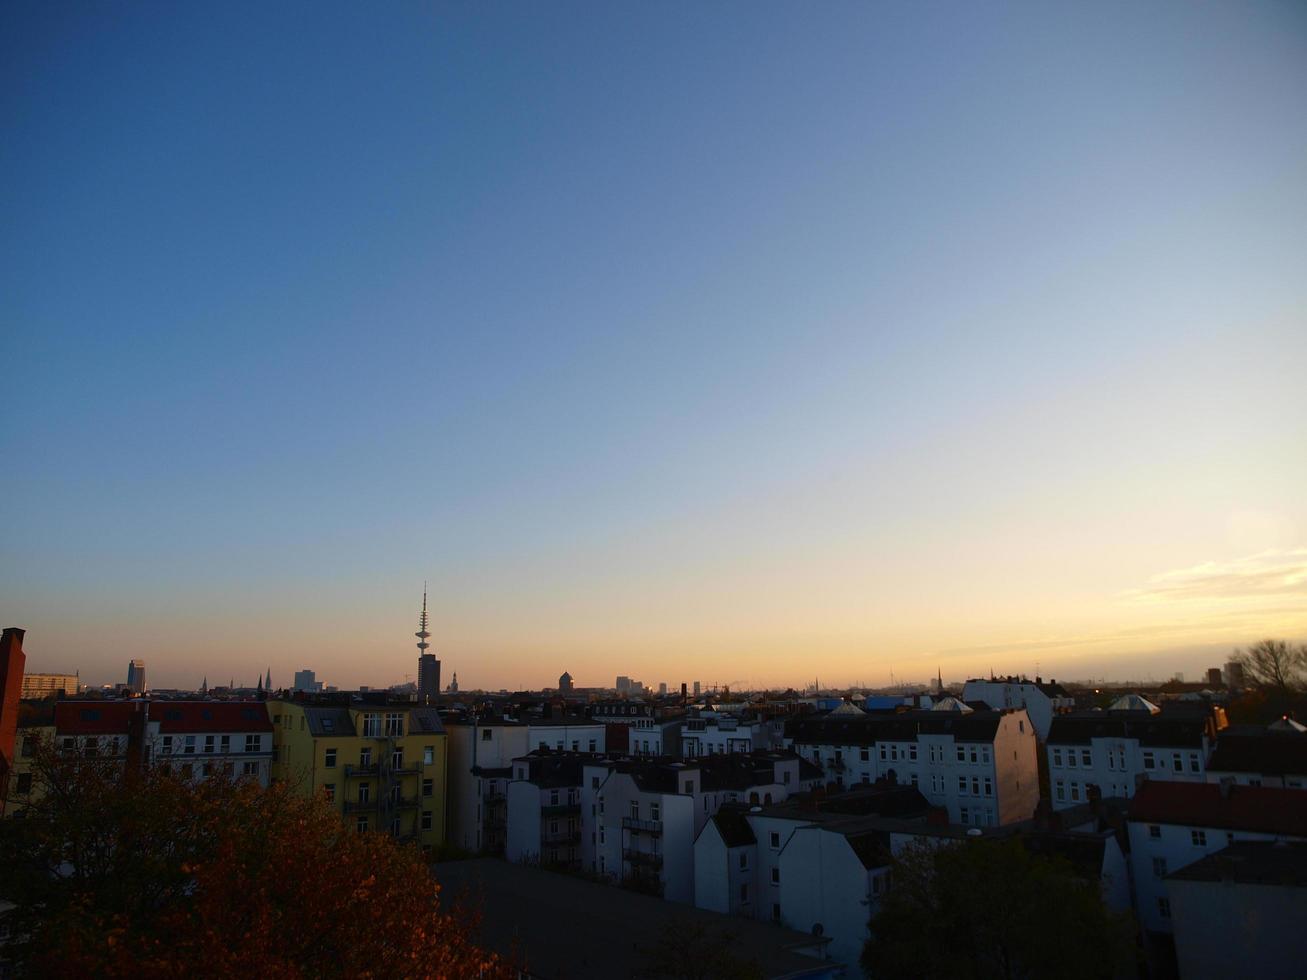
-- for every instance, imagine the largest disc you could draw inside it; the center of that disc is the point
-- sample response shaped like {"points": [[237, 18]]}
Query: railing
{"points": [[642, 826], [360, 806], [561, 837], [407, 770], [401, 802], [642, 858], [369, 770]]}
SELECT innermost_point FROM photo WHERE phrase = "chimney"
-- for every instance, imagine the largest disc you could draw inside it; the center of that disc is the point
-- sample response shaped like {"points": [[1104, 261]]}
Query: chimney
{"points": [[12, 663]]}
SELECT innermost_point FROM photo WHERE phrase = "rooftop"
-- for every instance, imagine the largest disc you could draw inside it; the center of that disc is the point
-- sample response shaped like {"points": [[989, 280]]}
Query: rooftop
{"points": [[1259, 809], [1252, 863]]}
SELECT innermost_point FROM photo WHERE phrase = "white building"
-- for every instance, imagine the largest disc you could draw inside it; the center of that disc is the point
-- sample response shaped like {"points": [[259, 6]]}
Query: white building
{"points": [[567, 735], [208, 738], [647, 813], [713, 733], [982, 766], [49, 685], [481, 754], [1113, 750], [1174, 824], [545, 824], [1041, 701]]}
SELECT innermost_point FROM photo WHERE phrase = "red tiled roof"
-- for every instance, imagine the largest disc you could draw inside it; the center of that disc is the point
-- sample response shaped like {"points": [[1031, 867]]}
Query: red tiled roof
{"points": [[176, 717], [1261, 809], [95, 717]]}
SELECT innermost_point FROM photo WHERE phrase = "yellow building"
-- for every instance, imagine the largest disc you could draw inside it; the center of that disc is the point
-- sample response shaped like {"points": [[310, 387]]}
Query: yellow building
{"points": [[381, 764]]}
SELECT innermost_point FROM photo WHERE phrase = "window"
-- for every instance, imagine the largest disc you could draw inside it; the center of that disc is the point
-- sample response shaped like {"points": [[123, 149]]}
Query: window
{"points": [[1071, 758], [1148, 761], [744, 860], [655, 811], [397, 759], [689, 785], [394, 723], [253, 743], [594, 782], [975, 785], [428, 755], [974, 757], [1177, 763], [1193, 762], [428, 787], [1164, 908], [1075, 792], [365, 792], [224, 744], [190, 745], [361, 824], [635, 809], [210, 743], [488, 733], [775, 876], [1159, 867], [965, 815], [912, 752], [776, 912], [1154, 831], [962, 754], [1059, 789], [372, 726], [1198, 837], [329, 791], [864, 754], [365, 757], [426, 819], [1086, 758], [167, 746], [1021, 727], [775, 841], [592, 745], [989, 786], [744, 893], [330, 759], [962, 785]]}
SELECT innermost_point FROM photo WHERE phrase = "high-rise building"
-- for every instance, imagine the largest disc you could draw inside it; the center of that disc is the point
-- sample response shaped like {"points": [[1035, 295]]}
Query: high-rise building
{"points": [[306, 680], [565, 683], [136, 677], [49, 685], [662, 689], [428, 665], [1214, 676], [1234, 674], [623, 684], [696, 689]]}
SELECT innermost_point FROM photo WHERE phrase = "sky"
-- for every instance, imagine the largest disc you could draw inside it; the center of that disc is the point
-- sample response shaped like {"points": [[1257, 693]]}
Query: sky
{"points": [[747, 343]]}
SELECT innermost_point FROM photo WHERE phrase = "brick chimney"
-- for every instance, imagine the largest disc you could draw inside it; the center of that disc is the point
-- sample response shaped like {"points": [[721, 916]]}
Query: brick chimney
{"points": [[12, 663]]}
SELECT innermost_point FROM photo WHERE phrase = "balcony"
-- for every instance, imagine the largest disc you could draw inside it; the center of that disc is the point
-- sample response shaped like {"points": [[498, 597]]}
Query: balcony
{"points": [[642, 859], [401, 802], [561, 837], [360, 806], [642, 826], [369, 770], [410, 769]]}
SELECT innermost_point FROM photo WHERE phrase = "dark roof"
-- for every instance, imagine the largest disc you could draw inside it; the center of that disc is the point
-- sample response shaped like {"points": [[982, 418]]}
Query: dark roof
{"points": [[1252, 863], [327, 720], [556, 770], [1277, 753], [871, 847], [883, 800], [424, 721], [1155, 731], [1083, 851], [1261, 809], [905, 726], [176, 717], [96, 717], [731, 825], [566, 927]]}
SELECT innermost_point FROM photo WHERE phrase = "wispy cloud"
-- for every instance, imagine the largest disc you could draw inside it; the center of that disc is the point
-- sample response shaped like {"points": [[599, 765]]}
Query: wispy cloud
{"points": [[1263, 575]]}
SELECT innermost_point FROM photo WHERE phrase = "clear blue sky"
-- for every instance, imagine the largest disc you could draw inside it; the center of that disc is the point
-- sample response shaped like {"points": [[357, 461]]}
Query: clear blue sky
{"points": [[731, 341]]}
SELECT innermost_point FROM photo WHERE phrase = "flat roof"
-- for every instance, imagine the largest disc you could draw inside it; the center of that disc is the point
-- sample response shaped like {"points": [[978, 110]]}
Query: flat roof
{"points": [[567, 928]]}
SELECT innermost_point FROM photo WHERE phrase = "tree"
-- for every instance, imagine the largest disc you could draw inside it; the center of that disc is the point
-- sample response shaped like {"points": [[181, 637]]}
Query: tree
{"points": [[1274, 664], [125, 871], [984, 908]]}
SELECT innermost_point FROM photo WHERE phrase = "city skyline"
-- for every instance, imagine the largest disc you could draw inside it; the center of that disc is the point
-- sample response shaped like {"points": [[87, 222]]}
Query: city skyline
{"points": [[675, 343]]}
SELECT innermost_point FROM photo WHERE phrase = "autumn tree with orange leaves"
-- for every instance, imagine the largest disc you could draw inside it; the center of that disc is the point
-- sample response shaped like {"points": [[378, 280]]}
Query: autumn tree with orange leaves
{"points": [[134, 872]]}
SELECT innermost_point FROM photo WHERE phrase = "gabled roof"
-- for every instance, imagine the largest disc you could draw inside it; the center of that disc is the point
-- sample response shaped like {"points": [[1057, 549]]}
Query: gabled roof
{"points": [[1134, 702], [731, 825], [96, 717], [951, 704], [1260, 809], [1273, 753], [977, 726], [175, 717], [1152, 731], [1252, 863]]}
